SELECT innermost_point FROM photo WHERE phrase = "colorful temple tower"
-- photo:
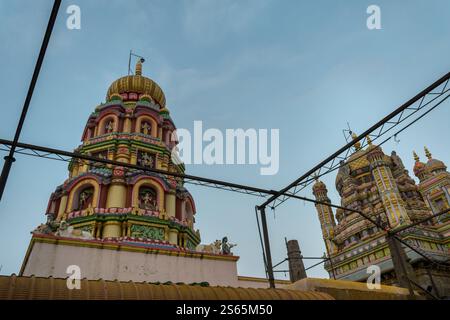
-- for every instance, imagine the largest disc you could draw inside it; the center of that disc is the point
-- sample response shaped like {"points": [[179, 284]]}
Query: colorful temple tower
{"points": [[133, 126], [379, 186], [114, 222]]}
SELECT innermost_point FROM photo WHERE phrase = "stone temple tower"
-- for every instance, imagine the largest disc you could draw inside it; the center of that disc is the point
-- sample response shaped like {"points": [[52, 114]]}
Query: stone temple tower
{"points": [[393, 203], [379, 185]]}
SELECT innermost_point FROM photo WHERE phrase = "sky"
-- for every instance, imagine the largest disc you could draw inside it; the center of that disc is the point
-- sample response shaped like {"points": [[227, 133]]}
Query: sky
{"points": [[306, 68]]}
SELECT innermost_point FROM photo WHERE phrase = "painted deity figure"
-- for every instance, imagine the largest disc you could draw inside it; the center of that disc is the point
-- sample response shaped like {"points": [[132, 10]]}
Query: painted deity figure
{"points": [[147, 200], [146, 128], [146, 160], [101, 156], [109, 126], [85, 198], [226, 246]]}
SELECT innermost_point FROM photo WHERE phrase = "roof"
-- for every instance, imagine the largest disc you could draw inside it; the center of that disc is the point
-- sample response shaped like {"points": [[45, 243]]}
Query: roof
{"points": [[257, 279], [40, 288], [351, 290], [138, 84]]}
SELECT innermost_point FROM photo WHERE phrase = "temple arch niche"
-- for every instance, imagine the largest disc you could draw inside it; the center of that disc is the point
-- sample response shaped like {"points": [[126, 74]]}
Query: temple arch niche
{"points": [[108, 124], [147, 125], [84, 198], [83, 195], [147, 198], [153, 188]]}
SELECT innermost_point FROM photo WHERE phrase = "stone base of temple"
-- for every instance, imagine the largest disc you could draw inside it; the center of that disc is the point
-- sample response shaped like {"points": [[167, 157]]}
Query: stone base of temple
{"points": [[123, 260]]}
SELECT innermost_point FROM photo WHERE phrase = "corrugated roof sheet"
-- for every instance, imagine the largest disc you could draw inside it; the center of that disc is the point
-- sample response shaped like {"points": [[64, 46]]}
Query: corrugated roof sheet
{"points": [[24, 288]]}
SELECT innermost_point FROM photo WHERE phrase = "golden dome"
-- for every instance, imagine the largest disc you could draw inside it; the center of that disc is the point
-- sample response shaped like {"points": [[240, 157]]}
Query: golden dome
{"points": [[319, 185], [138, 84], [319, 188], [434, 164], [358, 160]]}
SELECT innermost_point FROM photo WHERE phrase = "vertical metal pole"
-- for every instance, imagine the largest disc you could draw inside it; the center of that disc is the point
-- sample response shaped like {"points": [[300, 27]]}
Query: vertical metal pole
{"points": [[9, 159], [129, 62], [433, 285], [403, 270], [265, 231]]}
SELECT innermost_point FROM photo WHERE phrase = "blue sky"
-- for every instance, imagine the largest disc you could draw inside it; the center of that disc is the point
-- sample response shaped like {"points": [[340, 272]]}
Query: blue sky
{"points": [[304, 67]]}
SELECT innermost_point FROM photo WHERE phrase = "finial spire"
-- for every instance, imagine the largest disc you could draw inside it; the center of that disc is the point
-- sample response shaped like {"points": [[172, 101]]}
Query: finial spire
{"points": [[316, 176], [369, 141], [416, 157], [427, 153], [357, 144], [138, 71], [139, 62]]}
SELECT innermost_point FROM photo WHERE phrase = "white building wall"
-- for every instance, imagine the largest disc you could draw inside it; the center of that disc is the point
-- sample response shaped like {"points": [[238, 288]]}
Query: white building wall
{"points": [[49, 259]]}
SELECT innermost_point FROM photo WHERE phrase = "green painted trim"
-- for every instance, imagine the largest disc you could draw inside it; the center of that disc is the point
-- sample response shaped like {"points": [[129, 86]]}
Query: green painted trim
{"points": [[130, 218]]}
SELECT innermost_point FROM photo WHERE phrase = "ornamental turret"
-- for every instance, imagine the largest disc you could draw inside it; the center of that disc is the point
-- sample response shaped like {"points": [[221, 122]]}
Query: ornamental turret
{"points": [[387, 187], [133, 126], [434, 183], [326, 217]]}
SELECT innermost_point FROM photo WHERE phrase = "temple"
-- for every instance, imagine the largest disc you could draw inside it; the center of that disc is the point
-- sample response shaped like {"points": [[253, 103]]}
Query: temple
{"points": [[129, 226], [125, 224], [379, 186], [133, 126]]}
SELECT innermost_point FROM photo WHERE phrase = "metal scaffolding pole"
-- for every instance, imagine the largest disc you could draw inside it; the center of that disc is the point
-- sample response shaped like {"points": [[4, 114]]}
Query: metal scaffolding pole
{"points": [[9, 159], [268, 255], [413, 105]]}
